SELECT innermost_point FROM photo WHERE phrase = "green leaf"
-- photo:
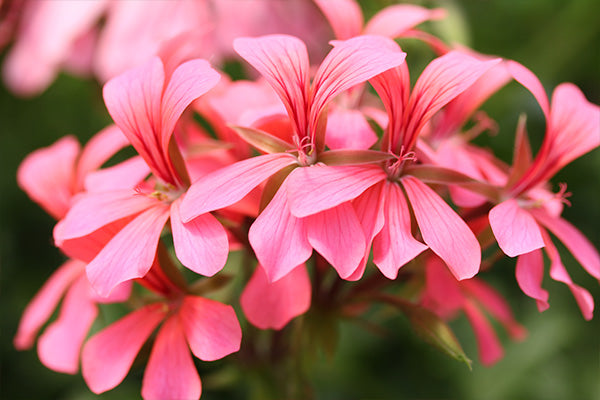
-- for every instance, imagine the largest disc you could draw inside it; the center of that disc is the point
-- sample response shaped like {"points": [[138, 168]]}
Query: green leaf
{"points": [[262, 140], [429, 326], [353, 157]]}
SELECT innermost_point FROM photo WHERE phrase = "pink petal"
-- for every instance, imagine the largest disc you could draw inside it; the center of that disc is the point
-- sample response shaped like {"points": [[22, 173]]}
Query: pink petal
{"points": [[283, 61], [211, 328], [47, 176], [442, 80], [338, 236], [98, 150], [348, 129], [130, 253], [278, 238], [442, 290], [125, 175], [395, 20], [490, 349], [201, 244], [108, 355], [319, 187], [443, 230], [41, 307], [496, 305], [189, 81], [349, 63], [133, 100], [344, 16], [171, 373], [395, 244], [581, 248], [60, 344], [92, 211], [230, 184], [574, 126], [369, 210], [526, 78], [559, 273], [515, 229], [530, 273], [272, 305]]}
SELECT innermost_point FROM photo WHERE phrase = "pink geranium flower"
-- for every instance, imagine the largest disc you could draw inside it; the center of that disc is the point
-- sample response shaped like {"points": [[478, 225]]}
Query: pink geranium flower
{"points": [[281, 240], [527, 209], [377, 191], [52, 177], [206, 327], [146, 104]]}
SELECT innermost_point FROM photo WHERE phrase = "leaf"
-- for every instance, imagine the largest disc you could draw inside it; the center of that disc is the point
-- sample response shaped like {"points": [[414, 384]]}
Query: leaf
{"points": [[262, 140], [446, 176], [353, 157], [430, 327]]}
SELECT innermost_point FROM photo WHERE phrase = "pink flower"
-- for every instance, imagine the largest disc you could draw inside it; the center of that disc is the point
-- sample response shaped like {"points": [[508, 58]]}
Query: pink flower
{"points": [[379, 200], [445, 296], [281, 240], [206, 327], [52, 177], [520, 221], [146, 105]]}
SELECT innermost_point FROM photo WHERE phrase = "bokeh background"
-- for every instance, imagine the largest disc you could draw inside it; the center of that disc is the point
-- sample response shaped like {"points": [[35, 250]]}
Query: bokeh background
{"points": [[560, 359]]}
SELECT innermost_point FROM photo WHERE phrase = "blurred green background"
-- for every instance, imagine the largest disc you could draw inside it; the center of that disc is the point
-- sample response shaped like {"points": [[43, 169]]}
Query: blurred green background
{"points": [[560, 359]]}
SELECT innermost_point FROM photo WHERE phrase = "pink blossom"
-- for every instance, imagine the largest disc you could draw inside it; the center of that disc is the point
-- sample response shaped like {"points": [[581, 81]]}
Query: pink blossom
{"points": [[206, 327], [377, 190], [146, 105], [283, 61], [520, 220]]}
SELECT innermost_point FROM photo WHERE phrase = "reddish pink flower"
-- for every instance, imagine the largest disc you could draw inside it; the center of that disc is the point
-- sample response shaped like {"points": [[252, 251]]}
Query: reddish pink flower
{"points": [[446, 296], [377, 192], [146, 104], [52, 177], [206, 327], [518, 222], [281, 240]]}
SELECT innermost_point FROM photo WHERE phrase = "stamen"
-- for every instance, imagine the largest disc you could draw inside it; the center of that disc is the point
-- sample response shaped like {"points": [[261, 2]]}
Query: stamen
{"points": [[482, 123]]}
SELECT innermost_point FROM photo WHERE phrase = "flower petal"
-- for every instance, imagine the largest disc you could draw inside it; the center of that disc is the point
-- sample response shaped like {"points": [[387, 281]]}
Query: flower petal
{"points": [[278, 238], [272, 305], [171, 373], [490, 349], [443, 230], [230, 184], [60, 344], [337, 235], [515, 229], [201, 244], [581, 248], [123, 176], [527, 78], [130, 253], [530, 273], [189, 81], [108, 355], [395, 244], [283, 61], [349, 63], [348, 129], [92, 211], [41, 307], [211, 328], [559, 273], [319, 187], [344, 16], [395, 20], [47, 176]]}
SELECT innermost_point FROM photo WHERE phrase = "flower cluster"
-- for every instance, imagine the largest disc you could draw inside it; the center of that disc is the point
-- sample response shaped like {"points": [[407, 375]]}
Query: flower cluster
{"points": [[338, 196]]}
